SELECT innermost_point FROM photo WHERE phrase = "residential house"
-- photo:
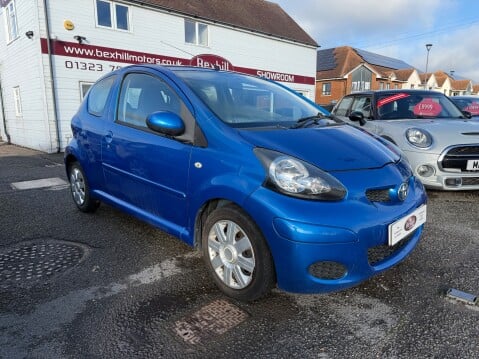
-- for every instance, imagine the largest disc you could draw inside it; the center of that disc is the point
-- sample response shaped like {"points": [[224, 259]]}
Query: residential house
{"points": [[344, 69]]}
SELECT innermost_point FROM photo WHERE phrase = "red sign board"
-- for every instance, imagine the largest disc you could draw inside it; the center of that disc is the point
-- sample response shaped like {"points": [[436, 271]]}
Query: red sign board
{"points": [[212, 62], [427, 107], [86, 51]]}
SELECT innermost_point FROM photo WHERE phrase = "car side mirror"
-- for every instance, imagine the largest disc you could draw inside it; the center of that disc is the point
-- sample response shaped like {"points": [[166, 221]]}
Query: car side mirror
{"points": [[357, 116], [467, 114], [165, 122]]}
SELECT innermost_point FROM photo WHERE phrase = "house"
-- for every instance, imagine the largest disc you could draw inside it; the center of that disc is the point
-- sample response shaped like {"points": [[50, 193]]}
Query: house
{"points": [[344, 69], [52, 51]]}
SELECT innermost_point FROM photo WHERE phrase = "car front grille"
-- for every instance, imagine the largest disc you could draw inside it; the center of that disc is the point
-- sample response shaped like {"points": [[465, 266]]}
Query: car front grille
{"points": [[470, 181], [378, 195], [382, 252], [456, 157]]}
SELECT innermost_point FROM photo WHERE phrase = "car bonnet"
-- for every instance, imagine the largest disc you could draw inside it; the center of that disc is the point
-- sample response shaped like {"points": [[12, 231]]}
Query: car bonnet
{"points": [[444, 132], [335, 148]]}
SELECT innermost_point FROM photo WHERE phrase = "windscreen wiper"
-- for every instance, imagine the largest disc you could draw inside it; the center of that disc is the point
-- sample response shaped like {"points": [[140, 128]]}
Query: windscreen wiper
{"points": [[318, 119]]}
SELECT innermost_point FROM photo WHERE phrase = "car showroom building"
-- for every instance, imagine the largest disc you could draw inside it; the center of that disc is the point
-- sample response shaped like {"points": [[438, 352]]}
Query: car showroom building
{"points": [[52, 51]]}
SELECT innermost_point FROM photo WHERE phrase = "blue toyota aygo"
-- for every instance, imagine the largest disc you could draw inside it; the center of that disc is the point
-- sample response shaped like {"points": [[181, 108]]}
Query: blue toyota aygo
{"points": [[265, 183]]}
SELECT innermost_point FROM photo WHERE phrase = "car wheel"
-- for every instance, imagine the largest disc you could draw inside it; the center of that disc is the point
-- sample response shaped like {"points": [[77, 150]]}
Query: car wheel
{"points": [[80, 189], [237, 255]]}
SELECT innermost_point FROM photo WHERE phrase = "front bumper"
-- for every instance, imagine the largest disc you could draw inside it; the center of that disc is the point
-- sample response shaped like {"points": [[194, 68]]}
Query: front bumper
{"points": [[442, 179], [321, 247]]}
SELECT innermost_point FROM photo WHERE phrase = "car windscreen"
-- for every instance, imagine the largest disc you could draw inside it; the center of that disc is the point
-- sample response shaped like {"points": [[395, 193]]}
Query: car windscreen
{"points": [[470, 104], [406, 105], [247, 101]]}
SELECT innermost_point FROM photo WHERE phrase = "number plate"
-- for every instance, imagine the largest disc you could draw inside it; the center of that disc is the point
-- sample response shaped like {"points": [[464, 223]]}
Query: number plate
{"points": [[472, 165], [406, 225]]}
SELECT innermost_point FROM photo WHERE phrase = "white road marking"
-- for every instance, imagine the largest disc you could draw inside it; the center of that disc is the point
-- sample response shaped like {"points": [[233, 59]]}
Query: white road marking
{"points": [[39, 183]]}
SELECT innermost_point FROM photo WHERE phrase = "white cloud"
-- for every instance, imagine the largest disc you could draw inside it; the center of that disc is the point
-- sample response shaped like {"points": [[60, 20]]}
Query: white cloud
{"points": [[396, 28]]}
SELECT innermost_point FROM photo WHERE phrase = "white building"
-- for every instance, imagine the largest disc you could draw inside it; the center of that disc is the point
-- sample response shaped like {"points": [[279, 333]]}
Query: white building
{"points": [[51, 51]]}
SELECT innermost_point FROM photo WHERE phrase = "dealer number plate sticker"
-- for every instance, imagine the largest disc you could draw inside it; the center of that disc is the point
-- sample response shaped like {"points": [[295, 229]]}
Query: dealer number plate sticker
{"points": [[472, 165], [406, 225]]}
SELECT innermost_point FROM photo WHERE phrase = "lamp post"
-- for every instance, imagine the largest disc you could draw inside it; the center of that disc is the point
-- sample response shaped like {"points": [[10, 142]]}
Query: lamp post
{"points": [[428, 48]]}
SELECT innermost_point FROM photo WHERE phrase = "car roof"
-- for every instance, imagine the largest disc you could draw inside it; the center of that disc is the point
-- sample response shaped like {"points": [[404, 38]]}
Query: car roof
{"points": [[395, 91], [475, 97]]}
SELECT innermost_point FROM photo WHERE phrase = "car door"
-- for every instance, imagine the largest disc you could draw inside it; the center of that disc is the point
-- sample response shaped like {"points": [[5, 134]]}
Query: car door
{"points": [[88, 126], [145, 171]]}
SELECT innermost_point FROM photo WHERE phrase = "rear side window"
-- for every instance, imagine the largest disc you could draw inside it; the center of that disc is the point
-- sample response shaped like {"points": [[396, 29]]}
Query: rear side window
{"points": [[98, 95], [343, 106]]}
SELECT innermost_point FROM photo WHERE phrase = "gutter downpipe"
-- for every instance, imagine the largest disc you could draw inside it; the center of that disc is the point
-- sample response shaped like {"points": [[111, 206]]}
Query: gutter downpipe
{"points": [[3, 115], [50, 66]]}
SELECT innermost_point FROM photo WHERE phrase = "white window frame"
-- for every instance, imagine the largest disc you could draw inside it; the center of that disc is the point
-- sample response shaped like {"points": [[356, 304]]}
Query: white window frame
{"points": [[197, 33], [113, 18], [17, 100], [323, 89], [11, 22], [82, 92]]}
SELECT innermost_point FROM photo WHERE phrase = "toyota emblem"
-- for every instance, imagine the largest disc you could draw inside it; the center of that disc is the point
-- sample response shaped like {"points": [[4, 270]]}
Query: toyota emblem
{"points": [[403, 191]]}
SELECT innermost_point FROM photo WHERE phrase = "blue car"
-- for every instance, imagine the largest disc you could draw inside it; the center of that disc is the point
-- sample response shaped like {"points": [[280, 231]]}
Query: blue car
{"points": [[265, 183]]}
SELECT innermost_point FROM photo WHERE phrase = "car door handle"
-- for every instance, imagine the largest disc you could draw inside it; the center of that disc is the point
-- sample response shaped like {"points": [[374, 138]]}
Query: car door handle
{"points": [[109, 137]]}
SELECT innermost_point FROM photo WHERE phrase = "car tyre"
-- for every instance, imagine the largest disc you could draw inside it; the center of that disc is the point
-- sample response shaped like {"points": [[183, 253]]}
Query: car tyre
{"points": [[80, 189], [236, 254]]}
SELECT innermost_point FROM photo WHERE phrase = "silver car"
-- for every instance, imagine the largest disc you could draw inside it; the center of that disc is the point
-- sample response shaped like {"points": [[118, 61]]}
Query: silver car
{"points": [[440, 142]]}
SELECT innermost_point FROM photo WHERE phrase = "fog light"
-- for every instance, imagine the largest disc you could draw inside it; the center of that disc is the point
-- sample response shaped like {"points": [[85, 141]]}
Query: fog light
{"points": [[453, 182], [425, 171]]}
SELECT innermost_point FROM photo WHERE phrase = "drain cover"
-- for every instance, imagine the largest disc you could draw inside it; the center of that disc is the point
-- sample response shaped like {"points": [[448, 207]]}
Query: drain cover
{"points": [[210, 321], [30, 262]]}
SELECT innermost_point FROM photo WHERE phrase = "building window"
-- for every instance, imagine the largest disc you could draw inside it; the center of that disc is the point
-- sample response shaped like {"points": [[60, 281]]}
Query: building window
{"points": [[84, 87], [112, 15], [17, 101], [412, 86], [381, 85], [327, 89], [361, 79], [396, 86], [196, 33], [11, 22]]}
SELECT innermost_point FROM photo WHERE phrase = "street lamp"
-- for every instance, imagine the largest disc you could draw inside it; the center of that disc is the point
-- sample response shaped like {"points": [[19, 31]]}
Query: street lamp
{"points": [[428, 48]]}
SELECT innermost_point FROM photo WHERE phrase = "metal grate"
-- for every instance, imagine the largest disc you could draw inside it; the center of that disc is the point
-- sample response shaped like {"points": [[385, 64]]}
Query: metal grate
{"points": [[210, 321], [327, 270], [378, 195], [382, 252], [30, 262], [457, 157], [463, 150], [470, 181]]}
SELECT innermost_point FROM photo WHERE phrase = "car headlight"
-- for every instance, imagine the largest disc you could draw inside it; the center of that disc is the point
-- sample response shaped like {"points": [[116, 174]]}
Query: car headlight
{"points": [[296, 178], [418, 137]]}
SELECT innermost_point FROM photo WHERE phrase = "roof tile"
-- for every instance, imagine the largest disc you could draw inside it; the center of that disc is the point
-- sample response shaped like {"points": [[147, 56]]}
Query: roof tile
{"points": [[255, 15]]}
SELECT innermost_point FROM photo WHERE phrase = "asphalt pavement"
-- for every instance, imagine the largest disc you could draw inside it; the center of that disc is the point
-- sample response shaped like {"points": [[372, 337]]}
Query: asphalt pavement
{"points": [[105, 285]]}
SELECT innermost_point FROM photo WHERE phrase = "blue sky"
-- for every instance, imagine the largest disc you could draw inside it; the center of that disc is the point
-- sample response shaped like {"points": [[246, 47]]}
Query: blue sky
{"points": [[397, 28]]}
